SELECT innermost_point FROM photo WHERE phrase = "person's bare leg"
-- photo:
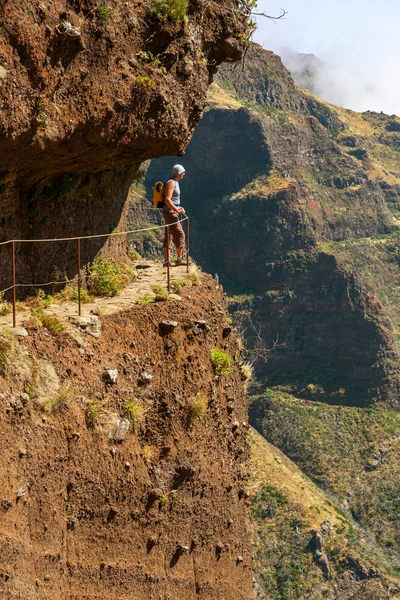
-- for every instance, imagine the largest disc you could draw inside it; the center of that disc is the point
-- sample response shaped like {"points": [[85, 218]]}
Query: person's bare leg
{"points": [[179, 252]]}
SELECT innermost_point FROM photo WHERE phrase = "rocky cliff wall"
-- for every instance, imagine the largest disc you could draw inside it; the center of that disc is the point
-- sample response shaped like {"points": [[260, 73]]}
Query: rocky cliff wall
{"points": [[162, 513], [88, 92]]}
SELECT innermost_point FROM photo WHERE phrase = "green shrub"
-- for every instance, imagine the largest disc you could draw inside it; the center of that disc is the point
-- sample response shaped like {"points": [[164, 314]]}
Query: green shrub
{"points": [[148, 454], [146, 299], [85, 295], [163, 500], [159, 292], [149, 57], [5, 309], [69, 185], [41, 112], [107, 278], [267, 501], [52, 324], [102, 14], [175, 10], [134, 255], [221, 362], [71, 295]]}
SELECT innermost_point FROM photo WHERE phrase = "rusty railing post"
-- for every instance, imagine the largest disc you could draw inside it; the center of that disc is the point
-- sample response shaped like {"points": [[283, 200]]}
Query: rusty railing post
{"points": [[14, 282], [79, 277], [187, 245], [168, 263]]}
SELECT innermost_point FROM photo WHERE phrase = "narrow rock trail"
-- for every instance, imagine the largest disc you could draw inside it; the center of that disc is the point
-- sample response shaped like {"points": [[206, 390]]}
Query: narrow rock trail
{"points": [[148, 273]]}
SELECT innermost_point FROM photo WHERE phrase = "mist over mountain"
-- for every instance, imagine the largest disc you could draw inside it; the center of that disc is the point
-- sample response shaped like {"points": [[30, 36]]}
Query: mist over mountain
{"points": [[337, 84], [369, 87], [357, 44]]}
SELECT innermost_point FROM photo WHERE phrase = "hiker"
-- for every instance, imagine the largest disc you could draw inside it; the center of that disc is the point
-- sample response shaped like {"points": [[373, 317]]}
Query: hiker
{"points": [[171, 211]]}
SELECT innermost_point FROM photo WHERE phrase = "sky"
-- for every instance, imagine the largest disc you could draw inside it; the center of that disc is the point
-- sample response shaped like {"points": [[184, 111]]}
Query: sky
{"points": [[357, 40]]}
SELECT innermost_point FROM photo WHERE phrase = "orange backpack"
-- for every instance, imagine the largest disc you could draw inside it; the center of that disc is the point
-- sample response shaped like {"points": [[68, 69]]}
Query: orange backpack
{"points": [[158, 194]]}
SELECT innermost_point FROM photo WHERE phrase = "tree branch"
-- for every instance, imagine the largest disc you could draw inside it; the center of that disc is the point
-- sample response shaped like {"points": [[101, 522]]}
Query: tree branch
{"points": [[257, 351], [248, 6], [264, 14]]}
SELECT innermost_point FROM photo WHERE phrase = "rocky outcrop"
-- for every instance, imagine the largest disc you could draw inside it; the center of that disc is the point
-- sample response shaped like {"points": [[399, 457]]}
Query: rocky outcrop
{"points": [[317, 547], [89, 92]]}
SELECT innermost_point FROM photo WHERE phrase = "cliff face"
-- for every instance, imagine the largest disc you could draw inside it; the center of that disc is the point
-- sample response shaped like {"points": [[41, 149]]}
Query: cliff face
{"points": [[88, 92], [161, 513], [304, 236], [277, 183]]}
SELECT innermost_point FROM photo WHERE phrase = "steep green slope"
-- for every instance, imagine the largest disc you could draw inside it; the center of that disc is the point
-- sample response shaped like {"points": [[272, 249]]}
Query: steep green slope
{"points": [[306, 546], [351, 452]]}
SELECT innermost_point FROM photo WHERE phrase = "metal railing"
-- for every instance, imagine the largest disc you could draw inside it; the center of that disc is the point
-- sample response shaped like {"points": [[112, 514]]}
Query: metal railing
{"points": [[79, 239]]}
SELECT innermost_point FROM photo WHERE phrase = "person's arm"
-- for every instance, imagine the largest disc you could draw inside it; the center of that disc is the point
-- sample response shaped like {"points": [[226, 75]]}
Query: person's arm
{"points": [[169, 190]]}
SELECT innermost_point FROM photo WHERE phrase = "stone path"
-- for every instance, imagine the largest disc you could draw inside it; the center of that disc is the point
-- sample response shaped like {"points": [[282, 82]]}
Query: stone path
{"points": [[149, 273]]}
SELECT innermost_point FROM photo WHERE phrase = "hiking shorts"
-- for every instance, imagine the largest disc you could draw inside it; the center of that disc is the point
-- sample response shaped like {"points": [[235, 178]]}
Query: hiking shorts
{"points": [[175, 230]]}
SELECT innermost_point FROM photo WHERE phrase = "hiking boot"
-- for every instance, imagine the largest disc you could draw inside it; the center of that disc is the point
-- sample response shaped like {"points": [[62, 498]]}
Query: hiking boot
{"points": [[178, 261]]}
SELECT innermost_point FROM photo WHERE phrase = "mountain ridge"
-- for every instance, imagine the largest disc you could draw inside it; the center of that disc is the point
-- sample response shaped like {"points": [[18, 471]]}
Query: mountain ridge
{"points": [[296, 205]]}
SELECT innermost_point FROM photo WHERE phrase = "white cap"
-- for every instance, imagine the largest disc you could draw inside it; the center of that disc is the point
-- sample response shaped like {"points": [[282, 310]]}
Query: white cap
{"points": [[177, 170]]}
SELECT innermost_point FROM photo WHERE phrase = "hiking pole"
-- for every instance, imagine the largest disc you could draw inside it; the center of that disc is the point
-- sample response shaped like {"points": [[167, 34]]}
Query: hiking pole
{"points": [[187, 244], [79, 277], [168, 263], [14, 282]]}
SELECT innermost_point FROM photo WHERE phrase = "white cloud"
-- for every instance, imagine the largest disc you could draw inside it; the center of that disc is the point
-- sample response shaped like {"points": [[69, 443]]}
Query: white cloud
{"points": [[357, 42]]}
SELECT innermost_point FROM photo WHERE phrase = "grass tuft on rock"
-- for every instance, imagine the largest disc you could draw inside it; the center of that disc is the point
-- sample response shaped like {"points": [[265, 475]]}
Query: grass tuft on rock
{"points": [[93, 413], [173, 10], [49, 322], [6, 353], [58, 401], [197, 406], [134, 412]]}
